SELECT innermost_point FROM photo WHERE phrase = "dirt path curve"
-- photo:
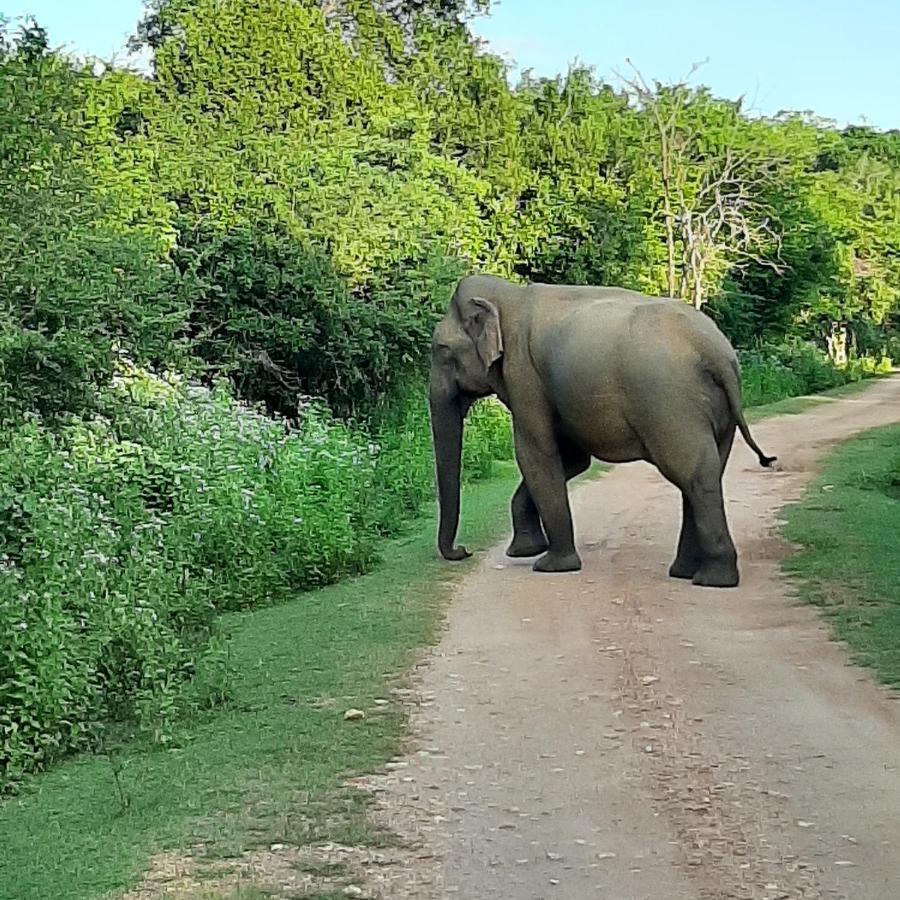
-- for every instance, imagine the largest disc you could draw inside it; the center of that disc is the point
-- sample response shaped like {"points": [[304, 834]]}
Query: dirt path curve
{"points": [[617, 734]]}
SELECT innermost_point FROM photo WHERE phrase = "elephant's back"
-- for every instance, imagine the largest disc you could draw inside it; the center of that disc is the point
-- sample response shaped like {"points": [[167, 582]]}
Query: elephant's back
{"points": [[648, 346], [631, 316], [611, 334], [668, 324], [584, 294]]}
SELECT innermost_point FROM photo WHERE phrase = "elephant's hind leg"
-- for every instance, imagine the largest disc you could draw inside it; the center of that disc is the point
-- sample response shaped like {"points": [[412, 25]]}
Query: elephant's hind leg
{"points": [[718, 557], [688, 556], [705, 544], [719, 566]]}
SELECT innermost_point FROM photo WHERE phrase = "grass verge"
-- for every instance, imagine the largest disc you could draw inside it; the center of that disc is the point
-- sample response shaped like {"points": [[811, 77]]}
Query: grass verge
{"points": [[848, 525], [268, 766]]}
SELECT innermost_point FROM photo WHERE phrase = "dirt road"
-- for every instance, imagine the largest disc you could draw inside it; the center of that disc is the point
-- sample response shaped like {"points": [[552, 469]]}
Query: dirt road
{"points": [[617, 734]]}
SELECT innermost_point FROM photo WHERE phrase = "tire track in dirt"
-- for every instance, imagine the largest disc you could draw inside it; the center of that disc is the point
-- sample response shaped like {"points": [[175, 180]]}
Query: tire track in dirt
{"points": [[614, 733]]}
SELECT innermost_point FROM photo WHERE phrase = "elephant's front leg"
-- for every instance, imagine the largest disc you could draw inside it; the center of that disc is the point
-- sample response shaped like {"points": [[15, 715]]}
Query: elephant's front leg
{"points": [[528, 533], [543, 469]]}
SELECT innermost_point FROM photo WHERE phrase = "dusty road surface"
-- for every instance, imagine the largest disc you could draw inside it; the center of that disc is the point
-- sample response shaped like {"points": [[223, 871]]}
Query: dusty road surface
{"points": [[617, 734]]}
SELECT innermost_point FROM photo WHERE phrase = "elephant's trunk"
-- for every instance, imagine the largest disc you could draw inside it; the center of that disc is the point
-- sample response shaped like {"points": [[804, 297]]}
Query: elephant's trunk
{"points": [[446, 428]]}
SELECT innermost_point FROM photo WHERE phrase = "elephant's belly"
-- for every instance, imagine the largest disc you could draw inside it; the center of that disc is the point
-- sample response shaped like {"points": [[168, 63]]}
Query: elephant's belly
{"points": [[620, 453], [615, 447], [600, 427]]}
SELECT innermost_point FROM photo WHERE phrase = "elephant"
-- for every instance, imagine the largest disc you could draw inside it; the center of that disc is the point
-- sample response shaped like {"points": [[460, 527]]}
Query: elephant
{"points": [[590, 372]]}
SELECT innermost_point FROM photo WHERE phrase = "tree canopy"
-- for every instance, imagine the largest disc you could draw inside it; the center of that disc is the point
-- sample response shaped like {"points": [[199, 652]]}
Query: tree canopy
{"points": [[288, 197]]}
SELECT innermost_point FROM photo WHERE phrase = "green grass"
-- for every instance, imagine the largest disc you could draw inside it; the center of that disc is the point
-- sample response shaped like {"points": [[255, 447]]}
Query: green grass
{"points": [[268, 766], [848, 524]]}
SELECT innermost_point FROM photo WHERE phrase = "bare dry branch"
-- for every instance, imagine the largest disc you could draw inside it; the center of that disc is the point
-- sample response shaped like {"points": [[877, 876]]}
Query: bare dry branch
{"points": [[714, 207]]}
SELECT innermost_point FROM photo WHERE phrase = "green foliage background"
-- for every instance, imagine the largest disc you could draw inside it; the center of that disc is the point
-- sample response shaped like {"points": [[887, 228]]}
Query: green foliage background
{"points": [[279, 212]]}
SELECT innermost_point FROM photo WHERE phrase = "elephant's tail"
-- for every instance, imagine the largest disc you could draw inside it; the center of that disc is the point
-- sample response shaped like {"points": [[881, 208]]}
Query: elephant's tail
{"points": [[732, 386]]}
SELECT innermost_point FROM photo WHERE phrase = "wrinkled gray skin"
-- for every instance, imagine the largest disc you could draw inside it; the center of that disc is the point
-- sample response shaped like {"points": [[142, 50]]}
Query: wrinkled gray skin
{"points": [[587, 371]]}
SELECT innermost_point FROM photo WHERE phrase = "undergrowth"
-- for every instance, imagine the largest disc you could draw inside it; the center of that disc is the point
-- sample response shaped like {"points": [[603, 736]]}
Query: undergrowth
{"points": [[124, 536], [779, 371]]}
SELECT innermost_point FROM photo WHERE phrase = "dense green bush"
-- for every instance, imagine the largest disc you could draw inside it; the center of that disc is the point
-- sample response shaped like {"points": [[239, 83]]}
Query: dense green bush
{"points": [[275, 316], [101, 613], [126, 534], [776, 371]]}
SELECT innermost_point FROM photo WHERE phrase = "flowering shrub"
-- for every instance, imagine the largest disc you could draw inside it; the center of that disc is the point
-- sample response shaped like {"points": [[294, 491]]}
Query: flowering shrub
{"points": [[124, 536]]}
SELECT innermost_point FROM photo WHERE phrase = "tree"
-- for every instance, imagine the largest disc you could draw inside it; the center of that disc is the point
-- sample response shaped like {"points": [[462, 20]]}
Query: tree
{"points": [[82, 279], [715, 178], [315, 219], [158, 23], [727, 226], [579, 209]]}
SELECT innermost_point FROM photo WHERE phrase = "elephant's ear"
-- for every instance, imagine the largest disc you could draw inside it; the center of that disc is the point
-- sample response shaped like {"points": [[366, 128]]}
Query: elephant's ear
{"points": [[483, 327]]}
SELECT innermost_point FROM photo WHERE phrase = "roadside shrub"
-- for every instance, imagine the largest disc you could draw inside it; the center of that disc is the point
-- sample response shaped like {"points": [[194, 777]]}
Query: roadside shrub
{"points": [[859, 367], [275, 316], [123, 536], [101, 613], [776, 371]]}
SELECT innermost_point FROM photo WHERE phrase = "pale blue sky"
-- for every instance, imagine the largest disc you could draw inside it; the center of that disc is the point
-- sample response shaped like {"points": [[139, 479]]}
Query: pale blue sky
{"points": [[835, 57]]}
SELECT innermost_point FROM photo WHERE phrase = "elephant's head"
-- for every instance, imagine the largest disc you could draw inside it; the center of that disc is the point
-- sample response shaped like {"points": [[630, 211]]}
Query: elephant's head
{"points": [[467, 343]]}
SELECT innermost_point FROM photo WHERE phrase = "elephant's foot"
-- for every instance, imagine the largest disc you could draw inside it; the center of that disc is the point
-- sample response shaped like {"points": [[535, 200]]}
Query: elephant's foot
{"points": [[558, 562], [685, 567], [455, 554], [717, 573], [523, 545]]}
